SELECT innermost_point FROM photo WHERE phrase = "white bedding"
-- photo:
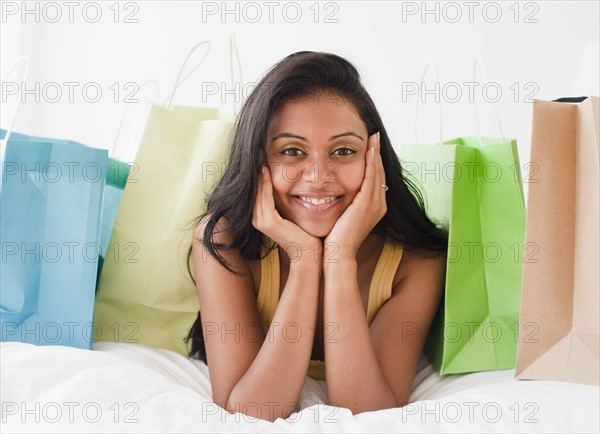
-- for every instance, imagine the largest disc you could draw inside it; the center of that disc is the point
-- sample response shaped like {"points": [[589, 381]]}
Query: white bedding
{"points": [[132, 388]]}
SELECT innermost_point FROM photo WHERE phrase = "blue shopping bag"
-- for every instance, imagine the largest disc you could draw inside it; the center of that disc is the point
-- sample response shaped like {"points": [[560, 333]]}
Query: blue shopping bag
{"points": [[50, 219], [117, 176]]}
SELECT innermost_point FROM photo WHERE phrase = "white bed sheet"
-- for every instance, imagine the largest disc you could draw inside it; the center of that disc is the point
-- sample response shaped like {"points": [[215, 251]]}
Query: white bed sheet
{"points": [[132, 388]]}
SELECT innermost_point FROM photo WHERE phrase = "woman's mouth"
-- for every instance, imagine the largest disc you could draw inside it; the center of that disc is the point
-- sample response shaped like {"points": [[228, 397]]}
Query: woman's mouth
{"points": [[317, 204]]}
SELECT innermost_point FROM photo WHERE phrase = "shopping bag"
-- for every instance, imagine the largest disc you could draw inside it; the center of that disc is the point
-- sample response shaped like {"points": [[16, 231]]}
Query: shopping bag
{"points": [[51, 202], [560, 324], [117, 175], [145, 292], [472, 187]]}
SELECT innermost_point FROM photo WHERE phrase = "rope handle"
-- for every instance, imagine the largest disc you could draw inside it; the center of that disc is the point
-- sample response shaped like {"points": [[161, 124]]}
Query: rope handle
{"points": [[433, 70], [479, 62]]}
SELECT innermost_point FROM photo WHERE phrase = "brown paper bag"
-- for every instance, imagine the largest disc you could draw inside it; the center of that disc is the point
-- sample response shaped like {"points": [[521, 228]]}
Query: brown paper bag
{"points": [[559, 322]]}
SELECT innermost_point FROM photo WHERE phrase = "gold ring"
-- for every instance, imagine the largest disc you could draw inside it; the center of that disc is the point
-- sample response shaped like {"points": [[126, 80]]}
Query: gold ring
{"points": [[384, 186]]}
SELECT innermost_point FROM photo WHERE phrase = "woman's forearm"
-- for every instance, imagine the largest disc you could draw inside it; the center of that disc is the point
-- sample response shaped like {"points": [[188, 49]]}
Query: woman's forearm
{"points": [[354, 378], [271, 386]]}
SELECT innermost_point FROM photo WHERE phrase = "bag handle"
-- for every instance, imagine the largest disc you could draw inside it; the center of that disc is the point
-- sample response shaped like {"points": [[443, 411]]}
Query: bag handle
{"points": [[427, 66], [479, 62], [4, 142], [233, 50], [179, 81], [119, 128], [571, 99], [20, 59]]}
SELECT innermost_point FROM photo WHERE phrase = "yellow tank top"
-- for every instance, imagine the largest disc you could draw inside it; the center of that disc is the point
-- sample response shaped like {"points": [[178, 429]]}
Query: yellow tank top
{"points": [[380, 290]]}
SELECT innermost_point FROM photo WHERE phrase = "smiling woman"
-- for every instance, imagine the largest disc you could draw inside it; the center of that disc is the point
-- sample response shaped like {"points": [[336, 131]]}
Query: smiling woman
{"points": [[316, 176], [318, 244]]}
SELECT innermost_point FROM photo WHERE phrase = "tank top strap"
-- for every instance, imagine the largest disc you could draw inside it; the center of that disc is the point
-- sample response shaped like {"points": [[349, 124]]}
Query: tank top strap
{"points": [[268, 290], [380, 289], [381, 284]]}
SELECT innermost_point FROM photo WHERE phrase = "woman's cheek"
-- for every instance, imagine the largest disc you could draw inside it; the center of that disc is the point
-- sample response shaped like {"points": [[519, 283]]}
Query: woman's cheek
{"points": [[281, 188], [352, 176], [284, 175], [281, 181]]}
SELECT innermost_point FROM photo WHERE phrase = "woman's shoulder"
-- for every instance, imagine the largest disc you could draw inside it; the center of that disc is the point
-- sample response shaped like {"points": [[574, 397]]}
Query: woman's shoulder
{"points": [[414, 263], [220, 235]]}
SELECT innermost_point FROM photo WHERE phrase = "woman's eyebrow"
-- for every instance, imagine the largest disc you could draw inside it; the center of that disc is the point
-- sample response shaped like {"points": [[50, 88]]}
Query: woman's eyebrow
{"points": [[296, 136], [347, 133], [289, 135]]}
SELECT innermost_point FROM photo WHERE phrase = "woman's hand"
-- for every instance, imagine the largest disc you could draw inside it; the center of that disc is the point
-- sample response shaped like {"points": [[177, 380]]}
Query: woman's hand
{"points": [[368, 207], [297, 243]]}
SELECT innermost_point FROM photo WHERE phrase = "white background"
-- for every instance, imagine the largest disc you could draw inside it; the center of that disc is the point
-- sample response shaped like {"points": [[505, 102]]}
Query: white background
{"points": [[549, 52]]}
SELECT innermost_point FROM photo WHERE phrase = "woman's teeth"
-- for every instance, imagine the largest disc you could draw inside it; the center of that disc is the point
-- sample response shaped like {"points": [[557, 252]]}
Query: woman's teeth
{"points": [[316, 201]]}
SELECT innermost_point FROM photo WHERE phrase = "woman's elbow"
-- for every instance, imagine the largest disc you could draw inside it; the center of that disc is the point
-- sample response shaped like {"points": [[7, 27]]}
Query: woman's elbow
{"points": [[268, 411]]}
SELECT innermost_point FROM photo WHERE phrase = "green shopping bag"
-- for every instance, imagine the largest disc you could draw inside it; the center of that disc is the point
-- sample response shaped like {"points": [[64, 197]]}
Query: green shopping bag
{"points": [[145, 293], [116, 177], [472, 186]]}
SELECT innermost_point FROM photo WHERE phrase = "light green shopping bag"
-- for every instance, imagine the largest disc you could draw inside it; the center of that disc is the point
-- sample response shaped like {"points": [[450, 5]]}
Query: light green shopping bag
{"points": [[471, 189], [117, 174], [145, 293], [472, 186]]}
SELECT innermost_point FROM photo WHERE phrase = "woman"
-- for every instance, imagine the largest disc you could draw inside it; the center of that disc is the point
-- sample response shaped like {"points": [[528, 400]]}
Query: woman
{"points": [[314, 248]]}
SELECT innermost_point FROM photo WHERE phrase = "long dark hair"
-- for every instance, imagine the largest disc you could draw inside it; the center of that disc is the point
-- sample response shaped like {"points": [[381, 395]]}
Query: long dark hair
{"points": [[301, 74]]}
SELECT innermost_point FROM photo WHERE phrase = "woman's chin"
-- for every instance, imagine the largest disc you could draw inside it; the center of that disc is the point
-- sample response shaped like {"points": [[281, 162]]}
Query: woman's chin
{"points": [[319, 231]]}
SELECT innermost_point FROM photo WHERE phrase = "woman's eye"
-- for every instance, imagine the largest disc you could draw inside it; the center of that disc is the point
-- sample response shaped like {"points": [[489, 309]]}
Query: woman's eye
{"points": [[344, 151], [292, 152]]}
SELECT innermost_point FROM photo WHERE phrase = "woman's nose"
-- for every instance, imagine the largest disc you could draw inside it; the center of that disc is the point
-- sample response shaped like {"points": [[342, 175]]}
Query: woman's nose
{"points": [[319, 171]]}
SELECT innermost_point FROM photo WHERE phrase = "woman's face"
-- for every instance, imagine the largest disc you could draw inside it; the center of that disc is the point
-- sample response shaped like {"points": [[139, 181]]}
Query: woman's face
{"points": [[317, 160]]}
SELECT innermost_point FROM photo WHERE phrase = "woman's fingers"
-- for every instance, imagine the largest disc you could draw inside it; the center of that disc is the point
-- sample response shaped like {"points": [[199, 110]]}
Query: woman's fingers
{"points": [[261, 204], [266, 217], [268, 200], [374, 170], [370, 171], [263, 190], [380, 161], [375, 176], [381, 179], [257, 209]]}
